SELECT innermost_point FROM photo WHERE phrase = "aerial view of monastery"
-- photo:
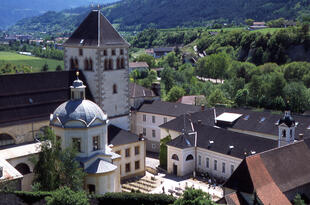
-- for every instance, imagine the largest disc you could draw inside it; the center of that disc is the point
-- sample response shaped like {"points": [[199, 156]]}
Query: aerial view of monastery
{"points": [[154, 102]]}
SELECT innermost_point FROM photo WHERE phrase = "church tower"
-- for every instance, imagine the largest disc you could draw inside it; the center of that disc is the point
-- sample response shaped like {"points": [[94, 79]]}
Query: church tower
{"points": [[286, 128], [98, 50]]}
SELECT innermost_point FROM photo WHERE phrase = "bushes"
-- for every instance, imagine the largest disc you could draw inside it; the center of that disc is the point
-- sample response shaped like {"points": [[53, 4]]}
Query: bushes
{"points": [[135, 199], [66, 196]]}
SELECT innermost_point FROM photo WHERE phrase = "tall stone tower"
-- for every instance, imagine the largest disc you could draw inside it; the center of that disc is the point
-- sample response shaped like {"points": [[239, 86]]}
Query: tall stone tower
{"points": [[98, 50]]}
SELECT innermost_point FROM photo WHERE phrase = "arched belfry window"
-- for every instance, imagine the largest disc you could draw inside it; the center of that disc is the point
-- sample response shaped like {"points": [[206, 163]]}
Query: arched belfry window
{"points": [[175, 157], [114, 89], [189, 157], [110, 64], [284, 133], [118, 63], [106, 64], [86, 66], [90, 64], [122, 63], [71, 64], [76, 63]]}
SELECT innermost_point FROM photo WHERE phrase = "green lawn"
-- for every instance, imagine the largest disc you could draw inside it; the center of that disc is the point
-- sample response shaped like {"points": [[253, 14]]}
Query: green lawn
{"points": [[34, 62]]}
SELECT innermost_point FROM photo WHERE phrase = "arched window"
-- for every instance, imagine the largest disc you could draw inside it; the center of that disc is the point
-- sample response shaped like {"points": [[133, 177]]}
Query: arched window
{"points": [[118, 63], [23, 168], [283, 133], [86, 64], [106, 64], [76, 63], [189, 157], [90, 64], [175, 157], [71, 64], [114, 89], [122, 63], [110, 64], [6, 139]]}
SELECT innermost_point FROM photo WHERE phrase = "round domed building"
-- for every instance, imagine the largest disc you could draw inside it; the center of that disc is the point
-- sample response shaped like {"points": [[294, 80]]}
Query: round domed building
{"points": [[81, 124]]}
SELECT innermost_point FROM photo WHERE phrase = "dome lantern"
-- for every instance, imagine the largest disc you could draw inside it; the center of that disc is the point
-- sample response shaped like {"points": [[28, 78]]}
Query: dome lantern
{"points": [[77, 89]]}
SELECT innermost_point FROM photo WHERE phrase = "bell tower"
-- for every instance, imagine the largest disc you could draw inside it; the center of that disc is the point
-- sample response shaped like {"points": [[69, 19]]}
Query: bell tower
{"points": [[97, 49], [286, 126]]}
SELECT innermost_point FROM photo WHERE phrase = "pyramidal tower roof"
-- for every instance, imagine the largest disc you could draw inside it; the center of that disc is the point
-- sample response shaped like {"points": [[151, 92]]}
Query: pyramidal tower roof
{"points": [[95, 30]]}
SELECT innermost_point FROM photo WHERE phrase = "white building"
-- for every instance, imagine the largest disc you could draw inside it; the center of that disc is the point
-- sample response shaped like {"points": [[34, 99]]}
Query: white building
{"points": [[148, 118]]}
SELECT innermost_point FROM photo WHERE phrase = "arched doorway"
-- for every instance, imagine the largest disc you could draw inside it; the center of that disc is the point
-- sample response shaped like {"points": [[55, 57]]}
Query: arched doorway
{"points": [[23, 168], [6, 139]]}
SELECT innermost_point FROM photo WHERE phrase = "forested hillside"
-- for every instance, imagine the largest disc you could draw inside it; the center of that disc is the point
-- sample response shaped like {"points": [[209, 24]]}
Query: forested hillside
{"points": [[13, 10], [140, 14]]}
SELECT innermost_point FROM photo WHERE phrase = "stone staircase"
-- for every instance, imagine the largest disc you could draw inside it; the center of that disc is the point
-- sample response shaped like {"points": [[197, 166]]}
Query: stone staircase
{"points": [[144, 185]]}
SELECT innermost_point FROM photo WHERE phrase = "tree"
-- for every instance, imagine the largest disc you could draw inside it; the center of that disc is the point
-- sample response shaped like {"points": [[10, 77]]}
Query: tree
{"points": [[58, 68], [297, 95], [167, 77], [45, 67], [150, 60], [163, 151], [55, 167], [241, 97], [194, 197], [249, 22], [217, 97], [66, 196], [175, 93], [298, 200]]}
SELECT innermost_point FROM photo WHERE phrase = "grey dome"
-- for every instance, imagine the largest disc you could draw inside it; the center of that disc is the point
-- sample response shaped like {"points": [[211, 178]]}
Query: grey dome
{"points": [[79, 110]]}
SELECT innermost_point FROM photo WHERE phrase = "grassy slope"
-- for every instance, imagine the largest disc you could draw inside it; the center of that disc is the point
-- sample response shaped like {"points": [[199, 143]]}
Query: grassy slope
{"points": [[34, 62]]}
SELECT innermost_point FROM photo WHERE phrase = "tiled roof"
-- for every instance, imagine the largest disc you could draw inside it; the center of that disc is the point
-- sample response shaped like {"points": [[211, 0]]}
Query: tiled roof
{"points": [[34, 96], [253, 121], [87, 33], [223, 139], [136, 90], [274, 173], [138, 65], [118, 136], [168, 108]]}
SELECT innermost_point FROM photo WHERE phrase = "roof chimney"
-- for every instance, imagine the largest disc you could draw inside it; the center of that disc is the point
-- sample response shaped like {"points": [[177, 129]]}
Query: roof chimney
{"points": [[202, 106], [199, 122]]}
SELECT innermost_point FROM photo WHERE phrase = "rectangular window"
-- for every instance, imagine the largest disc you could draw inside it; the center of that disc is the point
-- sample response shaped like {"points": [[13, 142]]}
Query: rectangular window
{"points": [[144, 118], [153, 146], [137, 150], [207, 162], [113, 52], [153, 119], [118, 152], [223, 167], [127, 167], [121, 51], [153, 133], [96, 144], [215, 164], [144, 131], [127, 152], [137, 165], [76, 143], [199, 160], [81, 52], [165, 119], [232, 168], [105, 53]]}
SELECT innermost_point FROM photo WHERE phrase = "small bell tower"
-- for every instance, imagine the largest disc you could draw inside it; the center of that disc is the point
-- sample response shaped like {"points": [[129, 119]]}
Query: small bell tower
{"points": [[286, 126]]}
